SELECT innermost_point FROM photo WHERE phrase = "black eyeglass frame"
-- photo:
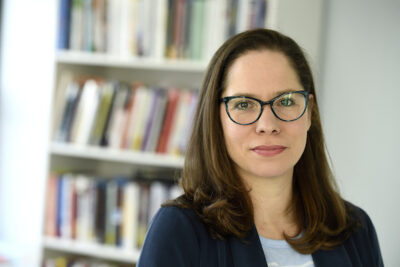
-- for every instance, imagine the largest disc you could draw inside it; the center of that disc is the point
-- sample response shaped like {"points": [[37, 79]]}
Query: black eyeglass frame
{"points": [[226, 99]]}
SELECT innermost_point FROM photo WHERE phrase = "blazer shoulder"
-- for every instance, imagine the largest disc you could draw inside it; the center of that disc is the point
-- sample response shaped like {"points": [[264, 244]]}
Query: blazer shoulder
{"points": [[360, 216], [172, 239], [364, 236]]}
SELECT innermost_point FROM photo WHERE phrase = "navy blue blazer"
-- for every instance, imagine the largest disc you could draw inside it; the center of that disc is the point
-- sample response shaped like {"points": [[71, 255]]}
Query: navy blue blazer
{"points": [[178, 238]]}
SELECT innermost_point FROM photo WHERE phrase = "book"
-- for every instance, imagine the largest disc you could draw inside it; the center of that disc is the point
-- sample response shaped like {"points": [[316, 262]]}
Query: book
{"points": [[172, 102], [127, 117], [155, 130], [130, 215], [88, 26], [141, 114], [126, 33], [185, 134], [59, 101], [111, 213], [107, 91], [100, 25], [86, 112], [179, 127], [179, 28], [149, 125], [232, 17], [158, 194], [143, 212], [64, 17], [85, 196], [160, 28], [51, 205], [118, 215], [76, 25], [66, 206], [114, 26], [197, 30], [71, 100], [114, 128], [100, 210], [74, 208], [258, 14], [186, 28], [243, 15], [170, 49]]}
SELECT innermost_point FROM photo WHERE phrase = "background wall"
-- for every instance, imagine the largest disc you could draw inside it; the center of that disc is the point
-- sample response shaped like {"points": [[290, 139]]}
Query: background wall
{"points": [[28, 44], [360, 94]]}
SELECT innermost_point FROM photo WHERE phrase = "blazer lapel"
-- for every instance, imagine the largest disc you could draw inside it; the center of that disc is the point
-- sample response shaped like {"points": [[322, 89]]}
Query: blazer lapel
{"points": [[332, 258], [248, 252]]}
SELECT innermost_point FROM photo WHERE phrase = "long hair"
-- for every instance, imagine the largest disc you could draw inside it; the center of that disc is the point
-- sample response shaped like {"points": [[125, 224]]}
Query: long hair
{"points": [[212, 186]]}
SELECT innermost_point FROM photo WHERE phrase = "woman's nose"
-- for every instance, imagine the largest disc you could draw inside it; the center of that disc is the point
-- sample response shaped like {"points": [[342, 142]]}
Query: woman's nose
{"points": [[268, 123]]}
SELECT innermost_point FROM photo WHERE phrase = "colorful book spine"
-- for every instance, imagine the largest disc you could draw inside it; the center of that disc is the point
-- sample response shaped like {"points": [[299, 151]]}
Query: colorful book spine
{"points": [[156, 28], [173, 98], [64, 24], [111, 114], [113, 211]]}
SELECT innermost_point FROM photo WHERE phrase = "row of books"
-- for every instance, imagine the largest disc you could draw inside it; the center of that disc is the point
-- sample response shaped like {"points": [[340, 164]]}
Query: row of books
{"points": [[156, 28], [114, 211], [113, 114], [78, 262]]}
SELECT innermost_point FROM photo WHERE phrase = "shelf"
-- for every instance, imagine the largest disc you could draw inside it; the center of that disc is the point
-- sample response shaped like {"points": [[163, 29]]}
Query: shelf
{"points": [[106, 60], [117, 155], [91, 249]]}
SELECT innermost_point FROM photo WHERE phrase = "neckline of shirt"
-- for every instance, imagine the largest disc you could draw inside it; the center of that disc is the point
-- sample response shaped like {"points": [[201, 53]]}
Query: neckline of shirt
{"points": [[273, 243]]}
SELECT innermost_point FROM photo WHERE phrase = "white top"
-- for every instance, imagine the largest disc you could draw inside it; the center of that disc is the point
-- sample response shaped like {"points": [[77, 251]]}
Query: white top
{"points": [[280, 254]]}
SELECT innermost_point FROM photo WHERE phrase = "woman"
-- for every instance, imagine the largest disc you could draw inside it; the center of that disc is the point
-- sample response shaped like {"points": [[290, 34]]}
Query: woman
{"points": [[257, 186]]}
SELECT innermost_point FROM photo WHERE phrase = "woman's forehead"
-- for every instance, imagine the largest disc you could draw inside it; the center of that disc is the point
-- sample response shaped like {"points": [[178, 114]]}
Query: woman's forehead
{"points": [[261, 73]]}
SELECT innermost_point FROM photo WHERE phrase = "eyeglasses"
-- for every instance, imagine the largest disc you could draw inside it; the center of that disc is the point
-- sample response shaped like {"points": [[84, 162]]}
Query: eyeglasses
{"points": [[245, 110]]}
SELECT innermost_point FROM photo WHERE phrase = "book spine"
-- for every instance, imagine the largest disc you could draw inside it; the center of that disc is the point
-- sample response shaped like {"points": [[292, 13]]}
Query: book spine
{"points": [[130, 211], [143, 213], [128, 117], [76, 25], [168, 120], [160, 33], [100, 211], [150, 118], [64, 24], [51, 205], [111, 203]]}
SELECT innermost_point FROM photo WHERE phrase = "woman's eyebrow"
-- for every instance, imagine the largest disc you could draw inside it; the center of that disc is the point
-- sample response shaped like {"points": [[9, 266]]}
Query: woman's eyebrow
{"points": [[275, 93]]}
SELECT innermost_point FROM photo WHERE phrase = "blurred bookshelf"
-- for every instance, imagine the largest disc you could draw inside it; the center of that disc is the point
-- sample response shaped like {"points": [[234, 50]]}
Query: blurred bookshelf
{"points": [[127, 80]]}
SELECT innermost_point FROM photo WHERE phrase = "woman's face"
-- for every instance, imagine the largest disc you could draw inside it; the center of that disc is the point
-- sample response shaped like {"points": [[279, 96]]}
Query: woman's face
{"points": [[269, 147]]}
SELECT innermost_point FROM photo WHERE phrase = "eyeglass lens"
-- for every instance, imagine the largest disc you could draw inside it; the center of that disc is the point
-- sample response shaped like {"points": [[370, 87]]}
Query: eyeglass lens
{"points": [[287, 107]]}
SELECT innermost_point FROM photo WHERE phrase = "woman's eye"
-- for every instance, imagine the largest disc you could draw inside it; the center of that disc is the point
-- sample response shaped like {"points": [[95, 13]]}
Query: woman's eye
{"points": [[244, 105], [286, 102]]}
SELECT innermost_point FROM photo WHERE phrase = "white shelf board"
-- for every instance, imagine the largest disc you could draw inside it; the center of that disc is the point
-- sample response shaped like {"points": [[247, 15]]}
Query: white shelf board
{"points": [[117, 155], [107, 60], [91, 249]]}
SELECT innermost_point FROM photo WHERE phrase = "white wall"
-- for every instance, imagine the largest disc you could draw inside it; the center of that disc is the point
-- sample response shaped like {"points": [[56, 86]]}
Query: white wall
{"points": [[27, 79], [360, 101]]}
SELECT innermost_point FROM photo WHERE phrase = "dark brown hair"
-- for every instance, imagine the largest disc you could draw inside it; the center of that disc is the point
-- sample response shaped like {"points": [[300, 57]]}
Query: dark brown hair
{"points": [[212, 186]]}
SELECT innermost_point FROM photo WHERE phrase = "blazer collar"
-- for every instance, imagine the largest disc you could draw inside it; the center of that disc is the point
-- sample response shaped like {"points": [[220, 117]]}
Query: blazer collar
{"points": [[332, 258], [249, 252]]}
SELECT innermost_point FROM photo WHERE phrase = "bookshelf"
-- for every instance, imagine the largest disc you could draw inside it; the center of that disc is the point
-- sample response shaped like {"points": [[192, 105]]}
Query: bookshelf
{"points": [[106, 252], [72, 159]]}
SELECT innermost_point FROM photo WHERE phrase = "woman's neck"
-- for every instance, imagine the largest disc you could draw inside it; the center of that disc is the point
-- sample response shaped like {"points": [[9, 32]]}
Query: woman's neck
{"points": [[272, 200]]}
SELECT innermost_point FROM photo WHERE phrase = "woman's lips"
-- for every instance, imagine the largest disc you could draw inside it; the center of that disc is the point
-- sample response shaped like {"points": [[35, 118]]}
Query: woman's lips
{"points": [[268, 151]]}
